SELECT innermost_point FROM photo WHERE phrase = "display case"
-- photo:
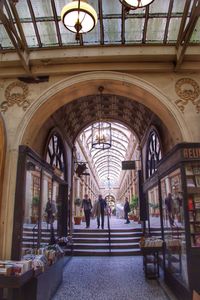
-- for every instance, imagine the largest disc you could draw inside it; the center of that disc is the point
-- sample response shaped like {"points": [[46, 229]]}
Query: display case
{"points": [[192, 172], [178, 180]]}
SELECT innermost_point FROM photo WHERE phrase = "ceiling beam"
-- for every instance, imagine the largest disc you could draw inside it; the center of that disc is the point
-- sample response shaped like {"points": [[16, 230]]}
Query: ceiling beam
{"points": [[123, 24], [34, 23], [16, 41], [101, 22], [168, 21], [187, 33], [145, 25], [56, 22]]}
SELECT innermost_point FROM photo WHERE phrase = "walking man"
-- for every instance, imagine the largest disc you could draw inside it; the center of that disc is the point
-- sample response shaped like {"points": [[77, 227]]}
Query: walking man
{"points": [[126, 210], [87, 206]]}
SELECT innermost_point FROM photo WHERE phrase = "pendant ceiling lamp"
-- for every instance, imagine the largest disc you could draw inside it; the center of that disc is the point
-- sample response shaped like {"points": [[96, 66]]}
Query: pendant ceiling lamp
{"points": [[134, 4], [79, 17], [101, 130]]}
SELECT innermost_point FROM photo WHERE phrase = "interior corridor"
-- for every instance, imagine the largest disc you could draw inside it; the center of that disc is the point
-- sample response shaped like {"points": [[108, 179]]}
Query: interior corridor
{"points": [[108, 278]]}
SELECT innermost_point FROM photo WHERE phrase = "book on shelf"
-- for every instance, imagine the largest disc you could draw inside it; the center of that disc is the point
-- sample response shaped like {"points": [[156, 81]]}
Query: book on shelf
{"points": [[197, 180], [190, 182], [197, 240], [196, 170], [190, 204], [189, 170], [197, 216], [196, 201], [197, 228], [191, 216], [191, 228]]}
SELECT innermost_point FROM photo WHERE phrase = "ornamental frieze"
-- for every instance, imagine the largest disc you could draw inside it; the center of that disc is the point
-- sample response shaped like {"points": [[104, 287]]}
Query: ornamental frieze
{"points": [[189, 92], [15, 93]]}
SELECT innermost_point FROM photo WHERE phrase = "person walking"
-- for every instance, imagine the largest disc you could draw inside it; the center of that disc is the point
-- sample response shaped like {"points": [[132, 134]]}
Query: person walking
{"points": [[126, 210], [50, 211], [99, 211], [169, 208], [87, 206]]}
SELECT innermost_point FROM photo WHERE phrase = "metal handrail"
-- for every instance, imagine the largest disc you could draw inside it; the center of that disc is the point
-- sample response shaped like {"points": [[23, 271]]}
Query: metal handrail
{"points": [[33, 235], [109, 237]]}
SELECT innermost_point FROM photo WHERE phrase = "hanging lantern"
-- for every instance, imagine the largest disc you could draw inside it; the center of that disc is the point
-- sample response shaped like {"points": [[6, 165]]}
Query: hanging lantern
{"points": [[101, 135], [101, 130], [79, 17], [134, 4]]}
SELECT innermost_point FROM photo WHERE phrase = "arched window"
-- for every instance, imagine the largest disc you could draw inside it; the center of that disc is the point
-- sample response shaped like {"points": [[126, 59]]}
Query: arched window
{"points": [[154, 153], [55, 154]]}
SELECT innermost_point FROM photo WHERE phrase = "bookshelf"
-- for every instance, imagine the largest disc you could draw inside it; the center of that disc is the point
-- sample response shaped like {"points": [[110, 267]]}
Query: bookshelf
{"points": [[192, 172]]}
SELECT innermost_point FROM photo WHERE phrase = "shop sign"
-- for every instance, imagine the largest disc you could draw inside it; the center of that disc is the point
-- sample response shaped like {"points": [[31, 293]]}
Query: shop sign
{"points": [[191, 153], [128, 165]]}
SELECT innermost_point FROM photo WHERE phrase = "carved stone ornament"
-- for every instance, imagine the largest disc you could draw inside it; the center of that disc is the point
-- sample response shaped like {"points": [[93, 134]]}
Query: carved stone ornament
{"points": [[189, 91], [15, 93]]}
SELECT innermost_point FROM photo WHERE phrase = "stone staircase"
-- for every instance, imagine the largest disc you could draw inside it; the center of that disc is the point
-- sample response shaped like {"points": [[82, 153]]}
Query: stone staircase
{"points": [[87, 242], [29, 237]]}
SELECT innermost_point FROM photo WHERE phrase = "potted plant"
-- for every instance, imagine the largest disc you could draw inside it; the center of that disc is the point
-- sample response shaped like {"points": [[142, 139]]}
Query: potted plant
{"points": [[133, 206], [155, 207], [78, 216]]}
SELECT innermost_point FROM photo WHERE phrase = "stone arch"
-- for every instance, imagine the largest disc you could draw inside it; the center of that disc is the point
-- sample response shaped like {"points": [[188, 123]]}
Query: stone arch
{"points": [[2, 153], [85, 84], [2, 163]]}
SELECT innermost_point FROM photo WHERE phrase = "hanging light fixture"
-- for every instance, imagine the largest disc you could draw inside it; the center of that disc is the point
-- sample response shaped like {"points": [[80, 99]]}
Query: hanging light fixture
{"points": [[134, 4], [79, 17], [101, 131]]}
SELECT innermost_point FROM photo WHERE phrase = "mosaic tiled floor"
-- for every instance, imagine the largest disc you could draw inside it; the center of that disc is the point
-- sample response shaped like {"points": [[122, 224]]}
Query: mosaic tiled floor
{"points": [[108, 278]]}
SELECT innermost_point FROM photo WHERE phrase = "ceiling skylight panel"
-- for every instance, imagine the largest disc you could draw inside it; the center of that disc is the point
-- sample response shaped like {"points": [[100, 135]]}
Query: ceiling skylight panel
{"points": [[173, 30], [112, 31], [42, 8], [134, 30], [109, 7], [30, 35], [178, 6], [159, 7], [4, 38], [23, 10], [195, 38], [156, 30], [48, 33]]}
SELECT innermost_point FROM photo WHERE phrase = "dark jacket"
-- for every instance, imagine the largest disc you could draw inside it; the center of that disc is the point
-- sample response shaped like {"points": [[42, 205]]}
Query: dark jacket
{"points": [[127, 207], [86, 204]]}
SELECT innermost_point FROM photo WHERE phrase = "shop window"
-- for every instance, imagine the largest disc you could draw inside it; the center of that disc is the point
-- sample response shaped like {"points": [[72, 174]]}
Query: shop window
{"points": [[55, 155], [154, 153]]}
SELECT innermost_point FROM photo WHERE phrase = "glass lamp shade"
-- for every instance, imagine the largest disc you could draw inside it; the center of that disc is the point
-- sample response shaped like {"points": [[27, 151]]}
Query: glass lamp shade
{"points": [[79, 17], [101, 135], [134, 4]]}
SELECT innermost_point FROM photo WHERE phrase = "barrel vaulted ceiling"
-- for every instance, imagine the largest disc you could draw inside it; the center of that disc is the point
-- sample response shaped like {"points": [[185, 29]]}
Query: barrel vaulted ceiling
{"points": [[33, 38], [84, 111]]}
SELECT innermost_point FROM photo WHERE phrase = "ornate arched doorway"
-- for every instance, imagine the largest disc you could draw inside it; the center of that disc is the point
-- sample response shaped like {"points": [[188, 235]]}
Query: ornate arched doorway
{"points": [[69, 90]]}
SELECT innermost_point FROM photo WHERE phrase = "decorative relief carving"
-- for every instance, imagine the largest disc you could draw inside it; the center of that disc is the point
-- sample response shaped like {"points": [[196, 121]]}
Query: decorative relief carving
{"points": [[15, 93], [189, 91]]}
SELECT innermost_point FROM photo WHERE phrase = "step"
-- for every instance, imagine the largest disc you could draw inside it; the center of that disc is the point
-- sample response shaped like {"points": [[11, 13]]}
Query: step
{"points": [[100, 240], [106, 246], [105, 235], [106, 252], [128, 230]]}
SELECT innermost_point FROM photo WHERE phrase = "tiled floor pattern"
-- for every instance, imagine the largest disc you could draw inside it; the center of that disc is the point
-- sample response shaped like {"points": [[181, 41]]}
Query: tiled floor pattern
{"points": [[108, 278]]}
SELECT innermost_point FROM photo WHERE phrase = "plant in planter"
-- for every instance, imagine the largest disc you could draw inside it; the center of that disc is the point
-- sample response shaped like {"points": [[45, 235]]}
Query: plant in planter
{"points": [[78, 214], [133, 206], [155, 208]]}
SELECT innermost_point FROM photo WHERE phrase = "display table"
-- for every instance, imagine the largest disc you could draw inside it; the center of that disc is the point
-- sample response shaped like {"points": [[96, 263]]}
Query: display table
{"points": [[33, 285], [15, 284], [151, 261]]}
